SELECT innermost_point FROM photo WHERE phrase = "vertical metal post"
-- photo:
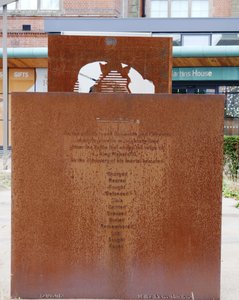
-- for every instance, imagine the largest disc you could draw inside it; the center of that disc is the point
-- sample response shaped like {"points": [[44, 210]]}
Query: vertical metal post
{"points": [[5, 90]]}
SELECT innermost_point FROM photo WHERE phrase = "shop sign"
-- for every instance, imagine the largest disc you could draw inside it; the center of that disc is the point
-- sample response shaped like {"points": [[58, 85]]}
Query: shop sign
{"points": [[206, 73], [21, 80]]}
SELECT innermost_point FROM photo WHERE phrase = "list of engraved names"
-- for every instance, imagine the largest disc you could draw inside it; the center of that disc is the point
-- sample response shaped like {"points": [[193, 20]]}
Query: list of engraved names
{"points": [[123, 158]]}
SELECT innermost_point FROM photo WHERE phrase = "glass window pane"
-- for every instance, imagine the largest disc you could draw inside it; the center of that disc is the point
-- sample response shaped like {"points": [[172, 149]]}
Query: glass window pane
{"points": [[196, 40], [211, 91], [11, 6], [179, 8], [41, 80], [225, 39], [159, 9], [50, 4], [222, 89], [216, 39], [200, 8], [28, 4]]}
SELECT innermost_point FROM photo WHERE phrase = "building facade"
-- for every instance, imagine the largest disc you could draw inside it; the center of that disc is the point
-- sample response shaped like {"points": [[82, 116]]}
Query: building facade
{"points": [[210, 71], [26, 17], [188, 8]]}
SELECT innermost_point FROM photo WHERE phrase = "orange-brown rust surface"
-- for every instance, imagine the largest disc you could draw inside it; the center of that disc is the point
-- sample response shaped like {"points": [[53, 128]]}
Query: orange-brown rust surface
{"points": [[151, 57], [116, 196]]}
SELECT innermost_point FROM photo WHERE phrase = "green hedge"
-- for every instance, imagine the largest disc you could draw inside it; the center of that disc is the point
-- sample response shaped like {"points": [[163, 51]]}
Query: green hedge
{"points": [[231, 156]]}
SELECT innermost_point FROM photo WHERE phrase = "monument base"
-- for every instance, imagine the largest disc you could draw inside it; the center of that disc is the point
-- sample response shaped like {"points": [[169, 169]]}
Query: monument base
{"points": [[116, 196]]}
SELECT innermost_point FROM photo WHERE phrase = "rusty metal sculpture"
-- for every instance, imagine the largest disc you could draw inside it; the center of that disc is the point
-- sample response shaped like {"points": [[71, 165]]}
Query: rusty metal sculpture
{"points": [[150, 58]]}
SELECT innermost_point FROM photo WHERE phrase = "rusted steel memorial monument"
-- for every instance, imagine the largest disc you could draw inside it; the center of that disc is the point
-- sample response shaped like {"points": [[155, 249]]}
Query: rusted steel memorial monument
{"points": [[117, 185]]}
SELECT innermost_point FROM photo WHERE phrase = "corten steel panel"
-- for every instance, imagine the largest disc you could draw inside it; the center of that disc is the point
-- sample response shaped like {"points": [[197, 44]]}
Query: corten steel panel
{"points": [[116, 196], [151, 57]]}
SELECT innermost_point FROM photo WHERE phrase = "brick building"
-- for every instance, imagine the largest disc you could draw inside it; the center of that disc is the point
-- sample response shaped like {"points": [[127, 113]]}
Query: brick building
{"points": [[26, 17], [189, 8]]}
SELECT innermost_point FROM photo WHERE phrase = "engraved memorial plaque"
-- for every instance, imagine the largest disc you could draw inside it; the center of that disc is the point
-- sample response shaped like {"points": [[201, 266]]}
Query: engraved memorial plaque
{"points": [[116, 196]]}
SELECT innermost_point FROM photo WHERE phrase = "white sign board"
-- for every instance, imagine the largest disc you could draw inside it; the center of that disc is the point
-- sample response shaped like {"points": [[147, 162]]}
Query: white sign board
{"points": [[5, 2]]}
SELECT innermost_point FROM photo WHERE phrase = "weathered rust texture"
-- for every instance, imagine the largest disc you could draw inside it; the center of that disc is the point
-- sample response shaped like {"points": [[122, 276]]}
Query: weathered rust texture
{"points": [[116, 196], [151, 57]]}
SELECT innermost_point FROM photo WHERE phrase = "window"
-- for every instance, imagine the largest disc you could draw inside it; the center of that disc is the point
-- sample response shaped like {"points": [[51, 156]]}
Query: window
{"points": [[196, 40], [11, 6], [159, 8], [50, 5], [200, 8], [216, 38], [225, 39], [34, 5], [179, 8], [28, 4]]}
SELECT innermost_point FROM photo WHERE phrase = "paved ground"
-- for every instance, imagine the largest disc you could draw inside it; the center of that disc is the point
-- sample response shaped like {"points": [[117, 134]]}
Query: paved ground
{"points": [[5, 230], [230, 251], [230, 248]]}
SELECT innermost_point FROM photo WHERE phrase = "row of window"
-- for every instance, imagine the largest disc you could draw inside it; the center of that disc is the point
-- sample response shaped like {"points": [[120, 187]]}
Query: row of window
{"points": [[217, 39], [179, 8], [158, 9], [35, 5]]}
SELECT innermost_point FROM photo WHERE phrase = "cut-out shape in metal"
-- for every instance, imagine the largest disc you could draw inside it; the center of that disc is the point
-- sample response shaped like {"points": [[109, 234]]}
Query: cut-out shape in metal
{"points": [[100, 76]]}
